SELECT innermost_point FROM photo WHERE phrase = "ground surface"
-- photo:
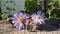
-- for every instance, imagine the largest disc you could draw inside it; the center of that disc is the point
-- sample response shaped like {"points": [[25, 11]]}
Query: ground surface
{"points": [[8, 28]]}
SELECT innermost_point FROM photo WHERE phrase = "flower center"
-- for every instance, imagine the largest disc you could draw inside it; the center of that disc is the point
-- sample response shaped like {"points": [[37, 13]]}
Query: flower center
{"points": [[38, 17], [21, 19], [28, 21]]}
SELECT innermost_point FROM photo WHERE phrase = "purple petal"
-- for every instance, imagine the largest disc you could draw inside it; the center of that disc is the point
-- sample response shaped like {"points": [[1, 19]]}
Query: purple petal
{"points": [[33, 16], [17, 26], [16, 23], [35, 21], [16, 15], [26, 16], [21, 14], [43, 14], [42, 20], [14, 20], [21, 26], [39, 13]]}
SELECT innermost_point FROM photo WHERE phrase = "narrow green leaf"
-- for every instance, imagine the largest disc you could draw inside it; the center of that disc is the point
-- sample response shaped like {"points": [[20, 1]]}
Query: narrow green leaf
{"points": [[49, 11]]}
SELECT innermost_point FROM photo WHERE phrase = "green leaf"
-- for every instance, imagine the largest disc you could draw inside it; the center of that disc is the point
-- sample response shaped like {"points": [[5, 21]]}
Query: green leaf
{"points": [[55, 0], [11, 1], [0, 4], [59, 1], [6, 2], [50, 3], [0, 14], [55, 15], [30, 0], [49, 11], [53, 7], [4, 16]]}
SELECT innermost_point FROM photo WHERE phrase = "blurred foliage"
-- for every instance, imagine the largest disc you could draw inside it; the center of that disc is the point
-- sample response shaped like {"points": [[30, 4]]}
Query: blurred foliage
{"points": [[32, 6], [4, 16], [52, 7], [53, 10], [5, 13]]}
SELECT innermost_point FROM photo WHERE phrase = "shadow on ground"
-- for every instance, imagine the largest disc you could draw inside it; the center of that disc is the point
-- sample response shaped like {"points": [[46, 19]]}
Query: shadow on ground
{"points": [[50, 25]]}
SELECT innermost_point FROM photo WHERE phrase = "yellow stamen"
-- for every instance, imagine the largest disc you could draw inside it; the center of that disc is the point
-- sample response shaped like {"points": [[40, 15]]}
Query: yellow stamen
{"points": [[38, 17], [21, 19]]}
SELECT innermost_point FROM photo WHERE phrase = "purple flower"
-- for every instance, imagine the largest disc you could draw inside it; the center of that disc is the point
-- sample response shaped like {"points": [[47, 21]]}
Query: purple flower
{"points": [[19, 19], [38, 18]]}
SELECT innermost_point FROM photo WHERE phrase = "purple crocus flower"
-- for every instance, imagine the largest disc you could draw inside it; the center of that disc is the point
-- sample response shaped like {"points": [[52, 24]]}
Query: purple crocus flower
{"points": [[38, 18], [19, 19]]}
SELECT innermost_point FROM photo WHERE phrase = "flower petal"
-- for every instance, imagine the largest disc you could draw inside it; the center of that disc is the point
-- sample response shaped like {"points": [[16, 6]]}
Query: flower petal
{"points": [[21, 14], [16, 23], [43, 14], [39, 13], [41, 21], [21, 26], [16, 15], [35, 21], [26, 16], [14, 20], [33, 16]]}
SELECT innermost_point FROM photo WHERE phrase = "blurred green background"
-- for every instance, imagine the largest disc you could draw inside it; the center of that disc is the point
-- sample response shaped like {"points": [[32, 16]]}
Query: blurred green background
{"points": [[52, 8]]}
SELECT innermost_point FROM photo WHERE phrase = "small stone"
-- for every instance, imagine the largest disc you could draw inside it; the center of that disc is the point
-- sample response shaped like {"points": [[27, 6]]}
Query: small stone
{"points": [[5, 26]]}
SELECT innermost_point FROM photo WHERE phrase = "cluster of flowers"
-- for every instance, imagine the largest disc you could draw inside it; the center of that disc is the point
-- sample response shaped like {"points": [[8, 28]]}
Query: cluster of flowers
{"points": [[20, 19]]}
